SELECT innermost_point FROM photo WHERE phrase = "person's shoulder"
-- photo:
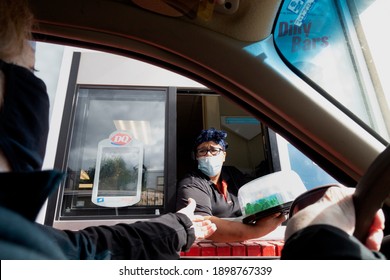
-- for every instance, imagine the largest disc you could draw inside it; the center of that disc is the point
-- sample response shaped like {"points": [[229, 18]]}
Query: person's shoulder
{"points": [[194, 178], [193, 175]]}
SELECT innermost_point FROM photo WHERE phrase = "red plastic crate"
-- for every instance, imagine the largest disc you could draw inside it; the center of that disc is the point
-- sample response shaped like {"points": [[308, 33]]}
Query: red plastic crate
{"points": [[267, 249], [238, 249], [252, 248], [223, 249], [278, 246], [194, 250], [207, 249]]}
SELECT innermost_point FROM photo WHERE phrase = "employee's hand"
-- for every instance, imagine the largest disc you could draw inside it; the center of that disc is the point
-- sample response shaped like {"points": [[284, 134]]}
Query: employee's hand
{"points": [[268, 224], [203, 227]]}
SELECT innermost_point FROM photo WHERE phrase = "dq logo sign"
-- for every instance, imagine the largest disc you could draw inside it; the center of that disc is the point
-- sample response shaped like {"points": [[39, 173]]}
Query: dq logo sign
{"points": [[120, 139]]}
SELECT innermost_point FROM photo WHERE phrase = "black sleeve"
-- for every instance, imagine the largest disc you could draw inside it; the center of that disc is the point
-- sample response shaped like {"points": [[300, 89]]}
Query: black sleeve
{"points": [[159, 238], [325, 242]]}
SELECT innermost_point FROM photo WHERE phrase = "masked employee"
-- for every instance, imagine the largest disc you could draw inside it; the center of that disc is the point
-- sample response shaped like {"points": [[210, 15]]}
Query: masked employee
{"points": [[215, 190]]}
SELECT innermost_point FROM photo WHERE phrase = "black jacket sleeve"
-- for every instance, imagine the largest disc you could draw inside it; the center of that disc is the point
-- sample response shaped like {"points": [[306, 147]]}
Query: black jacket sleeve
{"points": [[159, 238], [325, 242]]}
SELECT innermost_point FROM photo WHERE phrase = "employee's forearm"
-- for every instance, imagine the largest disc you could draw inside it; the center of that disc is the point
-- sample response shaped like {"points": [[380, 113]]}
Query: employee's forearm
{"points": [[230, 231]]}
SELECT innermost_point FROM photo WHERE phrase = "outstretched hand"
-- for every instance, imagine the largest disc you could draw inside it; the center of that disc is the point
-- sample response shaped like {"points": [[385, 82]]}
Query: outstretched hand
{"points": [[203, 227]]}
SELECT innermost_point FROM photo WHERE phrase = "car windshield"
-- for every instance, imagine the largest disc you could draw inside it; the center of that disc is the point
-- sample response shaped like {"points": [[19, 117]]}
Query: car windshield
{"points": [[340, 46]]}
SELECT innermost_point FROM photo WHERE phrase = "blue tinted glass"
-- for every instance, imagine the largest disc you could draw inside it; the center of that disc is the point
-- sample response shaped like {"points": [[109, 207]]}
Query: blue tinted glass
{"points": [[330, 42], [311, 174]]}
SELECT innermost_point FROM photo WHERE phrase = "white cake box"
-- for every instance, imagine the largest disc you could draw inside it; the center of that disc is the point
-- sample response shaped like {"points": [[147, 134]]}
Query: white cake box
{"points": [[269, 194]]}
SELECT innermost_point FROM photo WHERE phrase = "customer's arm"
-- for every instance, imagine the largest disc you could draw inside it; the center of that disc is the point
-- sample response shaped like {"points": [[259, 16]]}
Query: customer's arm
{"points": [[159, 238]]}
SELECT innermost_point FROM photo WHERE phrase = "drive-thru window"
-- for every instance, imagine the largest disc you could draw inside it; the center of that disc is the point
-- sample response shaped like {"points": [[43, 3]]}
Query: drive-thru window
{"points": [[119, 102]]}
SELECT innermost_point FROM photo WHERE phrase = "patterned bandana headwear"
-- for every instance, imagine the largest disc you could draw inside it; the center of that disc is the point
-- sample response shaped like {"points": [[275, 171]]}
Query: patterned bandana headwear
{"points": [[212, 134]]}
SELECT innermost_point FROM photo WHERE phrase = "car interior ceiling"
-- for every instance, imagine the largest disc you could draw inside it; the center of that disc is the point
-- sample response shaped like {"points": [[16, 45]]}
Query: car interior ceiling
{"points": [[253, 21], [252, 27]]}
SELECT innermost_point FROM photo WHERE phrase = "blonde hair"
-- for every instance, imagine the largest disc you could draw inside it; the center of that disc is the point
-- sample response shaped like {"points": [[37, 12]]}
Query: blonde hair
{"points": [[16, 21]]}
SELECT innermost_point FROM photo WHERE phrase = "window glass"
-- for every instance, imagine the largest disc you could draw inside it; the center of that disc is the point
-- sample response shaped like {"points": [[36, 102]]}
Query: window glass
{"points": [[311, 174], [165, 119], [100, 112], [291, 158], [333, 42]]}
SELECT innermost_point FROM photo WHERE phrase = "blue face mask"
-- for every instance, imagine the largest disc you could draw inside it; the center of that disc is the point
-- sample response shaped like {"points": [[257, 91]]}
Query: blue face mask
{"points": [[210, 166]]}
